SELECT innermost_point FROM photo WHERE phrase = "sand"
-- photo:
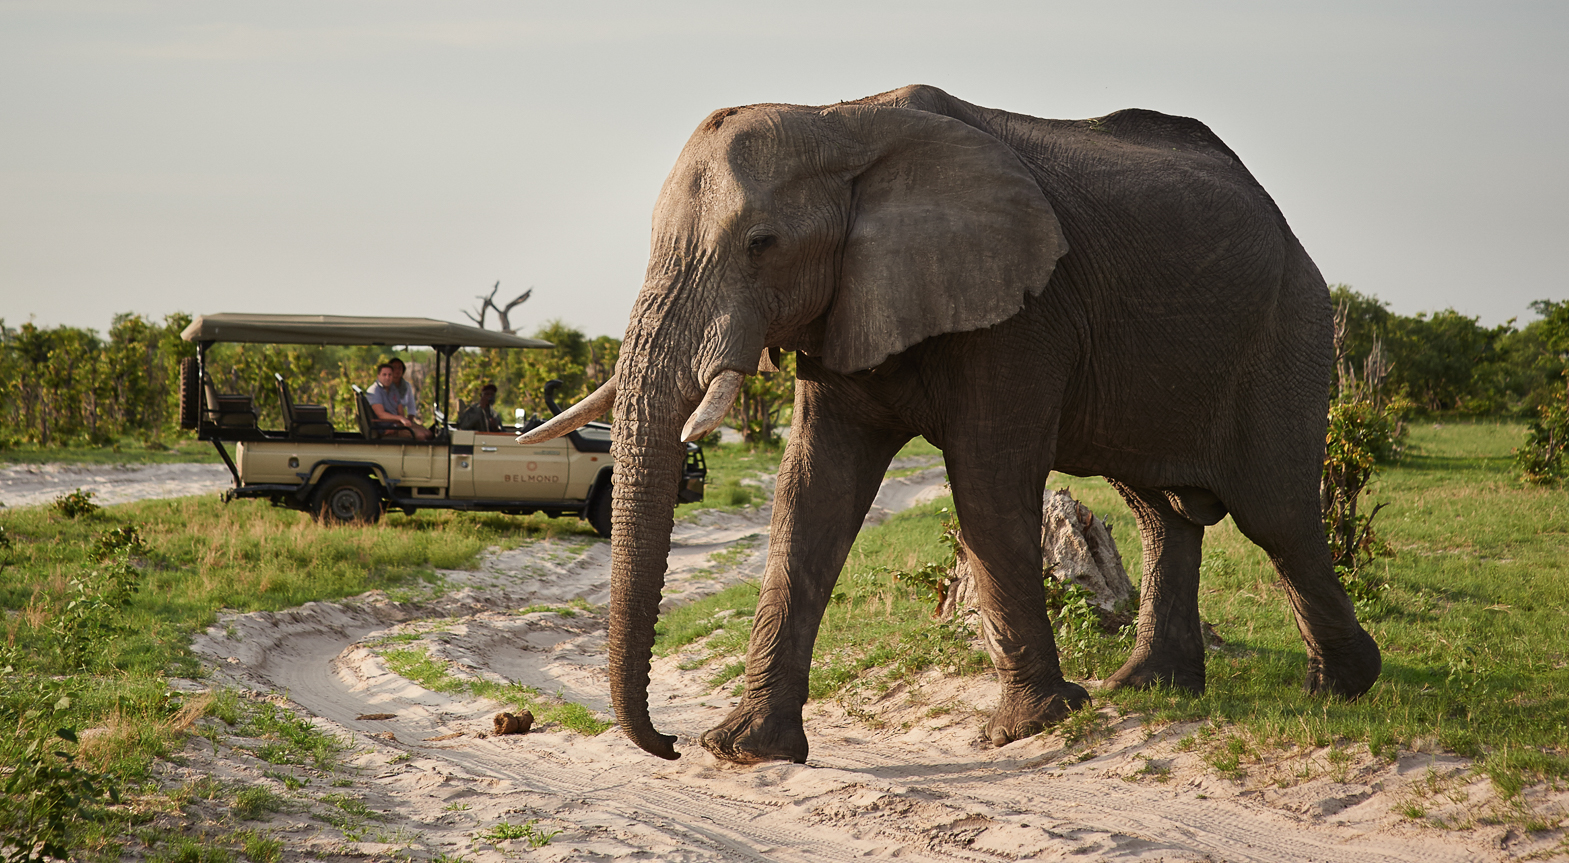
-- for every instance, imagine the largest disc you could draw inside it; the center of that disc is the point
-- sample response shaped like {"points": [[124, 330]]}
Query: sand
{"points": [[36, 484]]}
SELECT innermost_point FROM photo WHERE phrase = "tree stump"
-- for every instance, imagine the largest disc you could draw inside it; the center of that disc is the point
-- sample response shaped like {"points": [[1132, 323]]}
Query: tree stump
{"points": [[1076, 548]]}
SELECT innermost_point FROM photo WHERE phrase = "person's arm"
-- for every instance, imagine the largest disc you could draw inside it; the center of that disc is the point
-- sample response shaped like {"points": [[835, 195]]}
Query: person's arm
{"points": [[379, 410], [385, 415]]}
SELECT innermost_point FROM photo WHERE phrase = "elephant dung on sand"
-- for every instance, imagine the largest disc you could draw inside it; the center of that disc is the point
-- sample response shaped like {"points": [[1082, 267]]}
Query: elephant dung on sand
{"points": [[1114, 297]]}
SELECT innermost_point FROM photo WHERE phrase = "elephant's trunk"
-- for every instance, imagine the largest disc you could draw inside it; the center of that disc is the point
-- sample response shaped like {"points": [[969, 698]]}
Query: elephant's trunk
{"points": [[649, 456]]}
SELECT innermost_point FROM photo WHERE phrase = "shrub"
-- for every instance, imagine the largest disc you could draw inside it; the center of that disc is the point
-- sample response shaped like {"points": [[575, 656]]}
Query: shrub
{"points": [[77, 503], [1541, 460], [92, 617], [1360, 435], [127, 539], [45, 797], [1078, 625], [931, 581]]}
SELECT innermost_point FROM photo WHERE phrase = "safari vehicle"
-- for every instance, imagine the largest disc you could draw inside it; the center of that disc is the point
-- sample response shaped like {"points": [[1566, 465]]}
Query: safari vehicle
{"points": [[353, 474]]}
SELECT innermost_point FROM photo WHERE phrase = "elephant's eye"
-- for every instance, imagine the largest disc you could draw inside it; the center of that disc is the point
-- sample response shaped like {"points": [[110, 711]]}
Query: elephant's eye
{"points": [[759, 243]]}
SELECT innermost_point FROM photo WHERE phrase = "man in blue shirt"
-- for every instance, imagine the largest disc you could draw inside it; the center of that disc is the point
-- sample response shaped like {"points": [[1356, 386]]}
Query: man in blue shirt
{"points": [[392, 399]]}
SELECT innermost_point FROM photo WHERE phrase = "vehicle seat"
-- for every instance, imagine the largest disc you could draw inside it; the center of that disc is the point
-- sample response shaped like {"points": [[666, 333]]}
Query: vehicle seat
{"points": [[302, 420], [370, 427], [232, 411]]}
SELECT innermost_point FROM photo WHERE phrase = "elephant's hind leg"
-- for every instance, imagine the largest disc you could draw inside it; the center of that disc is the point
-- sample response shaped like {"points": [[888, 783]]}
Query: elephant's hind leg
{"points": [[1343, 659], [1169, 642]]}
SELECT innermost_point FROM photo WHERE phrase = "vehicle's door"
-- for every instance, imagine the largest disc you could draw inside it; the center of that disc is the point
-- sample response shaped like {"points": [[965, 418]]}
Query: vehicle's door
{"points": [[507, 470]]}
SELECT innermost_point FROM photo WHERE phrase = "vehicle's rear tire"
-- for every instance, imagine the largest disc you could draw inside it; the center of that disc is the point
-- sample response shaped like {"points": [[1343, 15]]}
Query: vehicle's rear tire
{"points": [[190, 393], [348, 498], [599, 512]]}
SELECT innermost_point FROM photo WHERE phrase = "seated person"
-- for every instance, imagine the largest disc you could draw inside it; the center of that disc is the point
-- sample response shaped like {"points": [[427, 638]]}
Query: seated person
{"points": [[481, 416], [392, 400]]}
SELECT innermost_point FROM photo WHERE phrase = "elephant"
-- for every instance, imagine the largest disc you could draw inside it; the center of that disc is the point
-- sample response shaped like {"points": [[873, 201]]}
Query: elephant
{"points": [[1112, 297]]}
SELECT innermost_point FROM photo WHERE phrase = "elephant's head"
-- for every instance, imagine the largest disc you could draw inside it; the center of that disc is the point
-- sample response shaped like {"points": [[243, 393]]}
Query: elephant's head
{"points": [[849, 233]]}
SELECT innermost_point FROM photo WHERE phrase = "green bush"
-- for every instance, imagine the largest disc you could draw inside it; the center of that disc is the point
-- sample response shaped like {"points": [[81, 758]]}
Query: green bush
{"points": [[77, 503], [46, 798], [127, 539], [1078, 627], [1360, 435], [94, 614], [931, 581], [1541, 460]]}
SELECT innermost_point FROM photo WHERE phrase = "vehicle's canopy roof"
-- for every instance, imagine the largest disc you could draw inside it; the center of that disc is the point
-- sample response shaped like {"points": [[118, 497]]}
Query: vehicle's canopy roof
{"points": [[348, 330]]}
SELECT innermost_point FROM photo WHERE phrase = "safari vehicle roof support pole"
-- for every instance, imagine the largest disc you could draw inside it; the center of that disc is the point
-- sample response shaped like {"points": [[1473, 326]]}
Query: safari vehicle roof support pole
{"points": [[444, 381], [201, 376]]}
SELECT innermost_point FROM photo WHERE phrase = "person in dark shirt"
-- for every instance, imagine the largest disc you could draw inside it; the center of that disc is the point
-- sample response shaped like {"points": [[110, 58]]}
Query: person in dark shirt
{"points": [[481, 416]]}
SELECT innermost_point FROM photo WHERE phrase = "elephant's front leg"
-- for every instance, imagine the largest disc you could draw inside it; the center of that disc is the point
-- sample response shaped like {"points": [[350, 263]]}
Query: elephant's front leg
{"points": [[827, 481], [999, 508]]}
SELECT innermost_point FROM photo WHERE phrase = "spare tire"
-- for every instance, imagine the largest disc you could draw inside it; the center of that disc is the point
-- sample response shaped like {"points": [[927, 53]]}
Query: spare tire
{"points": [[190, 393]]}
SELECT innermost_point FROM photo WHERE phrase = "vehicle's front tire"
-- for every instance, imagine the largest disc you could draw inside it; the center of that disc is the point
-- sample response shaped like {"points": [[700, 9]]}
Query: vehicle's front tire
{"points": [[348, 499], [599, 512]]}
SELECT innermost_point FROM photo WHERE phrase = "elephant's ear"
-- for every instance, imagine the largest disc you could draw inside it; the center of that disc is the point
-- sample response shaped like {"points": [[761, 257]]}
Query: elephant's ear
{"points": [[948, 232]]}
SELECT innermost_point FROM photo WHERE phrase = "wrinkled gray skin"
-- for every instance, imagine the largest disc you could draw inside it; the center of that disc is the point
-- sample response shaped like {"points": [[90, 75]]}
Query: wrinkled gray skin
{"points": [[1112, 297]]}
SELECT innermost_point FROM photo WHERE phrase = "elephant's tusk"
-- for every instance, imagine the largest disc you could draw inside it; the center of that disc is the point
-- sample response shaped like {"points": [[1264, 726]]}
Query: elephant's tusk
{"points": [[722, 391], [575, 417]]}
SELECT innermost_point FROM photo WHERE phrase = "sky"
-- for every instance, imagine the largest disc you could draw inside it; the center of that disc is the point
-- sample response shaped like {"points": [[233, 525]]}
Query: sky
{"points": [[387, 157]]}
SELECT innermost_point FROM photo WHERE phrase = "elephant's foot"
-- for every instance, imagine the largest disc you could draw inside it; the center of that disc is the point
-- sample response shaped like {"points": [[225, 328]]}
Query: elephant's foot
{"points": [[1025, 713], [1347, 668], [1147, 670], [751, 734]]}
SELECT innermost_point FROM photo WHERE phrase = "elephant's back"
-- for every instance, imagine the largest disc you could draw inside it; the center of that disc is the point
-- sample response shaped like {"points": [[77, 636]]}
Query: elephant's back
{"points": [[1204, 312]]}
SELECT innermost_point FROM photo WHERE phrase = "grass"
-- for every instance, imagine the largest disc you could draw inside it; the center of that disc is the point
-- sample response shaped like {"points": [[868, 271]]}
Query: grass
{"points": [[416, 664], [729, 464], [127, 611], [203, 556], [1471, 624], [873, 621], [536, 837], [287, 739]]}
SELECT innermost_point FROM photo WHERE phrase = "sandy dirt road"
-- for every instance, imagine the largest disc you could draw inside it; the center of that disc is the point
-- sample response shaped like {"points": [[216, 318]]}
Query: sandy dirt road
{"points": [[36, 484], [902, 774]]}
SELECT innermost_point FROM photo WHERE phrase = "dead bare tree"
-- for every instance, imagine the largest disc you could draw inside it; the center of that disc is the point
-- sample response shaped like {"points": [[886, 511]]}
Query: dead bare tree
{"points": [[489, 302], [1375, 368]]}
